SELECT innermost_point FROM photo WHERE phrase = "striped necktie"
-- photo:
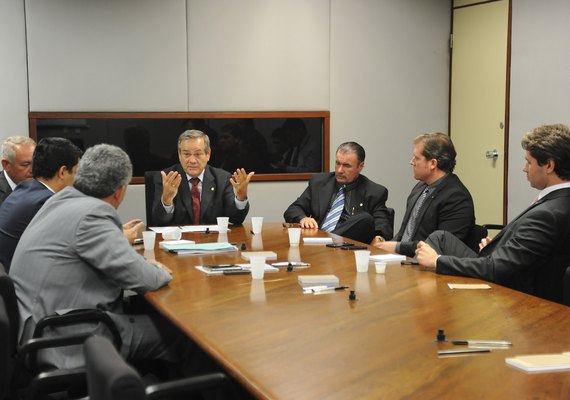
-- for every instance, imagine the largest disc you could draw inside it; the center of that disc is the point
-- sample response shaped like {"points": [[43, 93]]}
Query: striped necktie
{"points": [[335, 211]]}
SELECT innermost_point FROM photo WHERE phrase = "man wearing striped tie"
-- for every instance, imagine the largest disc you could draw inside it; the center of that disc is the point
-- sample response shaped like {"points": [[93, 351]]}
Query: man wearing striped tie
{"points": [[344, 202]]}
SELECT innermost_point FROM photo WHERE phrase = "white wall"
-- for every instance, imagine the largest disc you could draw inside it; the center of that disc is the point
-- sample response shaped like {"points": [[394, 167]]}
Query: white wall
{"points": [[540, 82], [380, 67], [13, 71]]}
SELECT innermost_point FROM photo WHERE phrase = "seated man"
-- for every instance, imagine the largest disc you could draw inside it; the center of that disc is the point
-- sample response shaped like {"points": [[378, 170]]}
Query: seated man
{"points": [[521, 255], [344, 202], [73, 255], [439, 201], [54, 166], [16, 162], [194, 193]]}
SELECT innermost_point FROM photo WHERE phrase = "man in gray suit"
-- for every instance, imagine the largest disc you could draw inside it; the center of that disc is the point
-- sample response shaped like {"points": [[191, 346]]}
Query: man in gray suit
{"points": [[73, 255], [531, 253], [17, 152]]}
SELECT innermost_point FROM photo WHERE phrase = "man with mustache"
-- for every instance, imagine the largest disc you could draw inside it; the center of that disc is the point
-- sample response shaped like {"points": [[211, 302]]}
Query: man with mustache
{"points": [[344, 202]]}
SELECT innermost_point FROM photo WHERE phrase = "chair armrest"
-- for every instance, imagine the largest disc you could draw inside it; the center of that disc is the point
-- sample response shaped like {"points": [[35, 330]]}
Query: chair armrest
{"points": [[186, 385], [56, 381], [27, 353], [78, 317]]}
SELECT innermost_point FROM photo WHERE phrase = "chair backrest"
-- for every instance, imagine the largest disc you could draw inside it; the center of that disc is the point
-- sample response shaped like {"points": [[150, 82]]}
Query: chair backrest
{"points": [[149, 179], [109, 377], [477, 233], [6, 364], [391, 216], [8, 294], [566, 289]]}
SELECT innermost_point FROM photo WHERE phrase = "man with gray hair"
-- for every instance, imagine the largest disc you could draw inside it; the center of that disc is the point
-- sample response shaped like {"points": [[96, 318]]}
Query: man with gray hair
{"points": [[17, 152], [194, 193], [74, 255], [344, 202]]}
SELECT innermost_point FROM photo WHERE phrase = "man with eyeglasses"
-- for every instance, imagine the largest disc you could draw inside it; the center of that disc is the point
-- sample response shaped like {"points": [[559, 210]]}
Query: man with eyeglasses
{"points": [[194, 193], [17, 152]]}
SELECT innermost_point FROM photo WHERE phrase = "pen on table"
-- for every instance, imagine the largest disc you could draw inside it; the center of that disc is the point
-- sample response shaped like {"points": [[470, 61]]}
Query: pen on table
{"points": [[242, 272], [464, 351], [327, 288], [252, 233], [290, 263], [496, 343]]}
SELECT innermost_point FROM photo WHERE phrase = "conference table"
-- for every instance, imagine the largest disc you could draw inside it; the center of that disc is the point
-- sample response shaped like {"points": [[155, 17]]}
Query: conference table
{"points": [[279, 343]]}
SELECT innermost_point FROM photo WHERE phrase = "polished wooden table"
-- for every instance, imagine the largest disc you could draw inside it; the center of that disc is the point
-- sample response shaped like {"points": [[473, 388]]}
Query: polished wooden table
{"points": [[282, 344]]}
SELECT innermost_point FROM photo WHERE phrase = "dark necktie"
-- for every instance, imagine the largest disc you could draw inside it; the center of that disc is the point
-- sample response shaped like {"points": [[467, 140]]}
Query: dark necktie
{"points": [[411, 226], [195, 200]]}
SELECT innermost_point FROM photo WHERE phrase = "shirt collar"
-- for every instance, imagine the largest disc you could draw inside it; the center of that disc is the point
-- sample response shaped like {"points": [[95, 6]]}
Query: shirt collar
{"points": [[10, 181], [200, 177], [552, 188]]}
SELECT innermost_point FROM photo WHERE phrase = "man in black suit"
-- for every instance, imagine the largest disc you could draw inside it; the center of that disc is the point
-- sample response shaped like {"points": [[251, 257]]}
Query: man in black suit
{"points": [[17, 154], [344, 202], [439, 201], [194, 193], [54, 164], [523, 256]]}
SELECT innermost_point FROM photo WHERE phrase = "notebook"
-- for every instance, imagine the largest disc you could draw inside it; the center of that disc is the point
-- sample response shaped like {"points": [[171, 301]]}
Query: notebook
{"points": [[541, 362]]}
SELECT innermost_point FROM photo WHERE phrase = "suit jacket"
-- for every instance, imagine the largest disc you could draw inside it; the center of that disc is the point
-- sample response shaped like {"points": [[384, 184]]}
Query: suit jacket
{"points": [[16, 213], [5, 188], [217, 200], [522, 256], [74, 255], [448, 208], [366, 196]]}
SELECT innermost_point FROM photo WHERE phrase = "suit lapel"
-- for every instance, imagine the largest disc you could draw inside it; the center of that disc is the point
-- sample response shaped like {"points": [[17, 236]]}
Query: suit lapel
{"points": [[325, 197], [185, 194], [208, 191]]}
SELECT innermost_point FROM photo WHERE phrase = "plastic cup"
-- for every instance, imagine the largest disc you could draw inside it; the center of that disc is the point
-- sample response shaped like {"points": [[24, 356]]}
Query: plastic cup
{"points": [[362, 257], [380, 267], [257, 267], [294, 236], [256, 224], [223, 224], [148, 239], [172, 233]]}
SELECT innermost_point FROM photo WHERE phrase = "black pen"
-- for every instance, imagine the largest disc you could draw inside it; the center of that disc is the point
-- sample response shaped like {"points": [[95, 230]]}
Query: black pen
{"points": [[242, 272], [252, 233], [465, 351], [491, 343]]}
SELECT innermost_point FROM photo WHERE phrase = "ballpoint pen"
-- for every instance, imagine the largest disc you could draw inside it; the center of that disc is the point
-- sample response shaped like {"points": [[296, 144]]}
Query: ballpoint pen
{"points": [[490, 343], [459, 352], [290, 263]]}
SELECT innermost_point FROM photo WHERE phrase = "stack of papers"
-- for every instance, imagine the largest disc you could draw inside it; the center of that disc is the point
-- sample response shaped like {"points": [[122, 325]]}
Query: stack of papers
{"points": [[199, 248], [388, 258], [318, 280], [317, 240], [269, 255], [164, 243], [220, 269], [541, 362]]}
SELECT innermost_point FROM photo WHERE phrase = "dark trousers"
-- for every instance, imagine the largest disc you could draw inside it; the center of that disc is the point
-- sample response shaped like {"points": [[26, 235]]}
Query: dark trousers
{"points": [[447, 244], [358, 227]]}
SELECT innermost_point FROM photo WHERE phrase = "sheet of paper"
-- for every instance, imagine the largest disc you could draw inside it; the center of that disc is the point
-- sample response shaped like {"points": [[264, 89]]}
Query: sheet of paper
{"points": [[317, 240], [199, 228], [245, 267], [387, 257], [468, 286]]}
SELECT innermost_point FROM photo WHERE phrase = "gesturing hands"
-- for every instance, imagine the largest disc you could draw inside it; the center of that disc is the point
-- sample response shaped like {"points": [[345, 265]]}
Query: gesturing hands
{"points": [[239, 180], [170, 184]]}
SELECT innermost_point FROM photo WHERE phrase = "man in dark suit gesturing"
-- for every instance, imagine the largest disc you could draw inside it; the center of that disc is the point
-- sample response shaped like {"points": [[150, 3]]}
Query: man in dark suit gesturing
{"points": [[439, 201], [524, 255], [194, 193], [344, 202]]}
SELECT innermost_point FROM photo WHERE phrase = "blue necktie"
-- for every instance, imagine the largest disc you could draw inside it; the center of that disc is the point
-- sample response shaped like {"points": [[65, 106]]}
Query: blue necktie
{"points": [[335, 211]]}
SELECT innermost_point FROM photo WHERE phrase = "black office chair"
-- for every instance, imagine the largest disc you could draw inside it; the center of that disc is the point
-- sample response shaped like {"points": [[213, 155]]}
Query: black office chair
{"points": [[109, 377], [19, 368], [391, 217], [150, 178]]}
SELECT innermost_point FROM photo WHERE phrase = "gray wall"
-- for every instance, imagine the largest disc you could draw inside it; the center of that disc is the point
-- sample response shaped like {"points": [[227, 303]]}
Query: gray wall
{"points": [[540, 82], [380, 67]]}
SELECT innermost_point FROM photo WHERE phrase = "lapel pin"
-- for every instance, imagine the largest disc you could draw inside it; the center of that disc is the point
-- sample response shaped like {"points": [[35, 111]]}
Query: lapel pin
{"points": [[212, 189]]}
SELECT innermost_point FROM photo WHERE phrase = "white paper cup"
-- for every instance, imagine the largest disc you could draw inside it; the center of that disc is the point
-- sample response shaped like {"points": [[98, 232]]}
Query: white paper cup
{"points": [[223, 224], [362, 257], [294, 236], [257, 267], [380, 267], [148, 239], [256, 224], [172, 233]]}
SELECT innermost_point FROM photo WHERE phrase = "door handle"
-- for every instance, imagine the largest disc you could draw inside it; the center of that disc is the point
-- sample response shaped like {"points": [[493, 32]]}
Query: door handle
{"points": [[492, 154]]}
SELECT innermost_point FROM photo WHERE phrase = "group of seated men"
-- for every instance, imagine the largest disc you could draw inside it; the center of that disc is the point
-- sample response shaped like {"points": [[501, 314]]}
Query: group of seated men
{"points": [[65, 248]]}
